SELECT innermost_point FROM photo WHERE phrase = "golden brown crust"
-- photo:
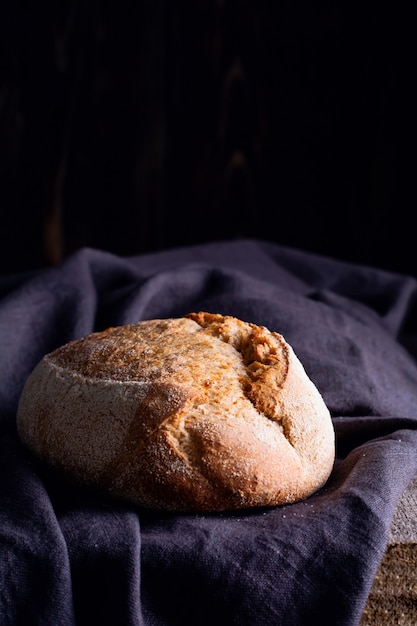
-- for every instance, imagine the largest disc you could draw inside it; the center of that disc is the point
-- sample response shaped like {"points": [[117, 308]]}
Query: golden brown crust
{"points": [[201, 413]]}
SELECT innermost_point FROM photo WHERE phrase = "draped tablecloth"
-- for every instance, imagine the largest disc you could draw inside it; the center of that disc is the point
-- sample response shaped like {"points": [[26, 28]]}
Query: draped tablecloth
{"points": [[68, 556]]}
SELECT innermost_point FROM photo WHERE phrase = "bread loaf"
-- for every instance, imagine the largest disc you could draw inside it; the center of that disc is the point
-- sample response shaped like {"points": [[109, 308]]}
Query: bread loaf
{"points": [[200, 413]]}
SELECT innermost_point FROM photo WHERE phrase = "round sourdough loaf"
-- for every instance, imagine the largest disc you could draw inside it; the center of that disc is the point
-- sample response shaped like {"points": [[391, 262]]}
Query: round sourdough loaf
{"points": [[200, 413]]}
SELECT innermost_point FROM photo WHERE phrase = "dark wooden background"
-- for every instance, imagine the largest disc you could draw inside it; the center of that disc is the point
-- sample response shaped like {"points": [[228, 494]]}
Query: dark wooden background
{"points": [[141, 125]]}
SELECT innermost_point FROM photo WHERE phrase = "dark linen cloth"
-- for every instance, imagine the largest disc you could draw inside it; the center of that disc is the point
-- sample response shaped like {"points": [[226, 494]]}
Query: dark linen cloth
{"points": [[68, 556]]}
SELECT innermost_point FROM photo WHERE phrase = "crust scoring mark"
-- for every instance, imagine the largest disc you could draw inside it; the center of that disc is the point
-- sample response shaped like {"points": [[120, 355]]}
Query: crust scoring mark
{"points": [[161, 406], [265, 356]]}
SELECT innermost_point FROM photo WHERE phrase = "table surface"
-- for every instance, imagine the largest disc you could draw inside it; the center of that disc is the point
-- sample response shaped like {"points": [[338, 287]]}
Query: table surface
{"points": [[393, 597]]}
